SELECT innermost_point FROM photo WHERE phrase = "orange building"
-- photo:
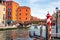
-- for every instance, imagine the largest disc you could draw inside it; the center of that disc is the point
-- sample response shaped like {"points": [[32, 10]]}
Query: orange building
{"points": [[23, 14], [11, 10]]}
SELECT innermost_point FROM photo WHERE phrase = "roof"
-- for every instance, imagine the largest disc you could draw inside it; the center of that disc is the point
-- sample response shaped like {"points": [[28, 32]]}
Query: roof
{"points": [[24, 7], [12, 2]]}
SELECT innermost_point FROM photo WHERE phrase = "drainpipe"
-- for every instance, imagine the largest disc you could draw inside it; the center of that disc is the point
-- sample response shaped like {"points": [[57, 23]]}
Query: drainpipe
{"points": [[56, 21]]}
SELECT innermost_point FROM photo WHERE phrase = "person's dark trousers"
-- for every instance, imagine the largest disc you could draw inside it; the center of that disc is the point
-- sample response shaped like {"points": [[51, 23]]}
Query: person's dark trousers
{"points": [[30, 35], [36, 36]]}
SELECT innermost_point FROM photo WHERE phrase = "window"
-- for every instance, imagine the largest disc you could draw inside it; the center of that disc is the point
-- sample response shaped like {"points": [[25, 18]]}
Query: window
{"points": [[3, 16], [9, 9], [9, 13], [9, 4], [1, 1], [4, 9], [26, 9], [26, 18], [20, 18], [59, 16], [20, 14], [9, 17], [26, 14], [20, 9]]}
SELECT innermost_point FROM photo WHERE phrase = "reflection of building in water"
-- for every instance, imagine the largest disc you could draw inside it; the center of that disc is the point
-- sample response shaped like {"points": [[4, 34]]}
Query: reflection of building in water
{"points": [[13, 35], [2, 35], [2, 12], [35, 27]]}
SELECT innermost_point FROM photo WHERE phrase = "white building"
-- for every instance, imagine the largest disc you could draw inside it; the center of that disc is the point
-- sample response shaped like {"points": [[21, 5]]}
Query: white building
{"points": [[2, 13]]}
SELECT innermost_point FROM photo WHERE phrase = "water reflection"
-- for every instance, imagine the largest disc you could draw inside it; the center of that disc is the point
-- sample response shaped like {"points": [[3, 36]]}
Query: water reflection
{"points": [[37, 31], [21, 34], [2, 35], [44, 32]]}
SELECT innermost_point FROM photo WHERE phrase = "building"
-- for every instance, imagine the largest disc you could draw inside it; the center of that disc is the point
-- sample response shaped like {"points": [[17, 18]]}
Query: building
{"points": [[40, 21], [11, 10], [2, 13], [33, 19], [23, 14], [54, 18]]}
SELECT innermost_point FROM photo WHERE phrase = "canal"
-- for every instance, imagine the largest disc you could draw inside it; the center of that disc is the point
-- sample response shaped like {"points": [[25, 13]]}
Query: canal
{"points": [[23, 34]]}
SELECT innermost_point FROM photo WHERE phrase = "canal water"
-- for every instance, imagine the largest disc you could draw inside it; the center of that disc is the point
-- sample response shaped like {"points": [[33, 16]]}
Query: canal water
{"points": [[22, 34]]}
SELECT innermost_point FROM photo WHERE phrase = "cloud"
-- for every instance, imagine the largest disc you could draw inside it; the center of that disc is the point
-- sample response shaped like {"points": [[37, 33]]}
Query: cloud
{"points": [[40, 11], [34, 1], [40, 8]]}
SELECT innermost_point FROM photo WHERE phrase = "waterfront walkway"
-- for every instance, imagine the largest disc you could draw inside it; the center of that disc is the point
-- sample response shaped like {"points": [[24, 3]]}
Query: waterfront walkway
{"points": [[7, 27]]}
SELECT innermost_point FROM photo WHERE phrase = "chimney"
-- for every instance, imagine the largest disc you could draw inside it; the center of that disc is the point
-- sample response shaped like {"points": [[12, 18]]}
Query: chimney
{"points": [[1, 1]]}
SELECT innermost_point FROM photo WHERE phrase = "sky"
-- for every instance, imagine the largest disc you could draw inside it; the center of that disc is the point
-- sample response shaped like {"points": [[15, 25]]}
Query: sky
{"points": [[40, 8]]}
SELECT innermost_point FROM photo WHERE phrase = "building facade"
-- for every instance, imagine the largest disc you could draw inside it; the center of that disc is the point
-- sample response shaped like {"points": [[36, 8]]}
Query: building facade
{"points": [[2, 13], [33, 19], [11, 10], [23, 14], [54, 18]]}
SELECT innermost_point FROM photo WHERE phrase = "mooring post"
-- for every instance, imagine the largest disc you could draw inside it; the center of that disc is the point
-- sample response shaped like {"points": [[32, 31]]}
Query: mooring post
{"points": [[48, 26]]}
